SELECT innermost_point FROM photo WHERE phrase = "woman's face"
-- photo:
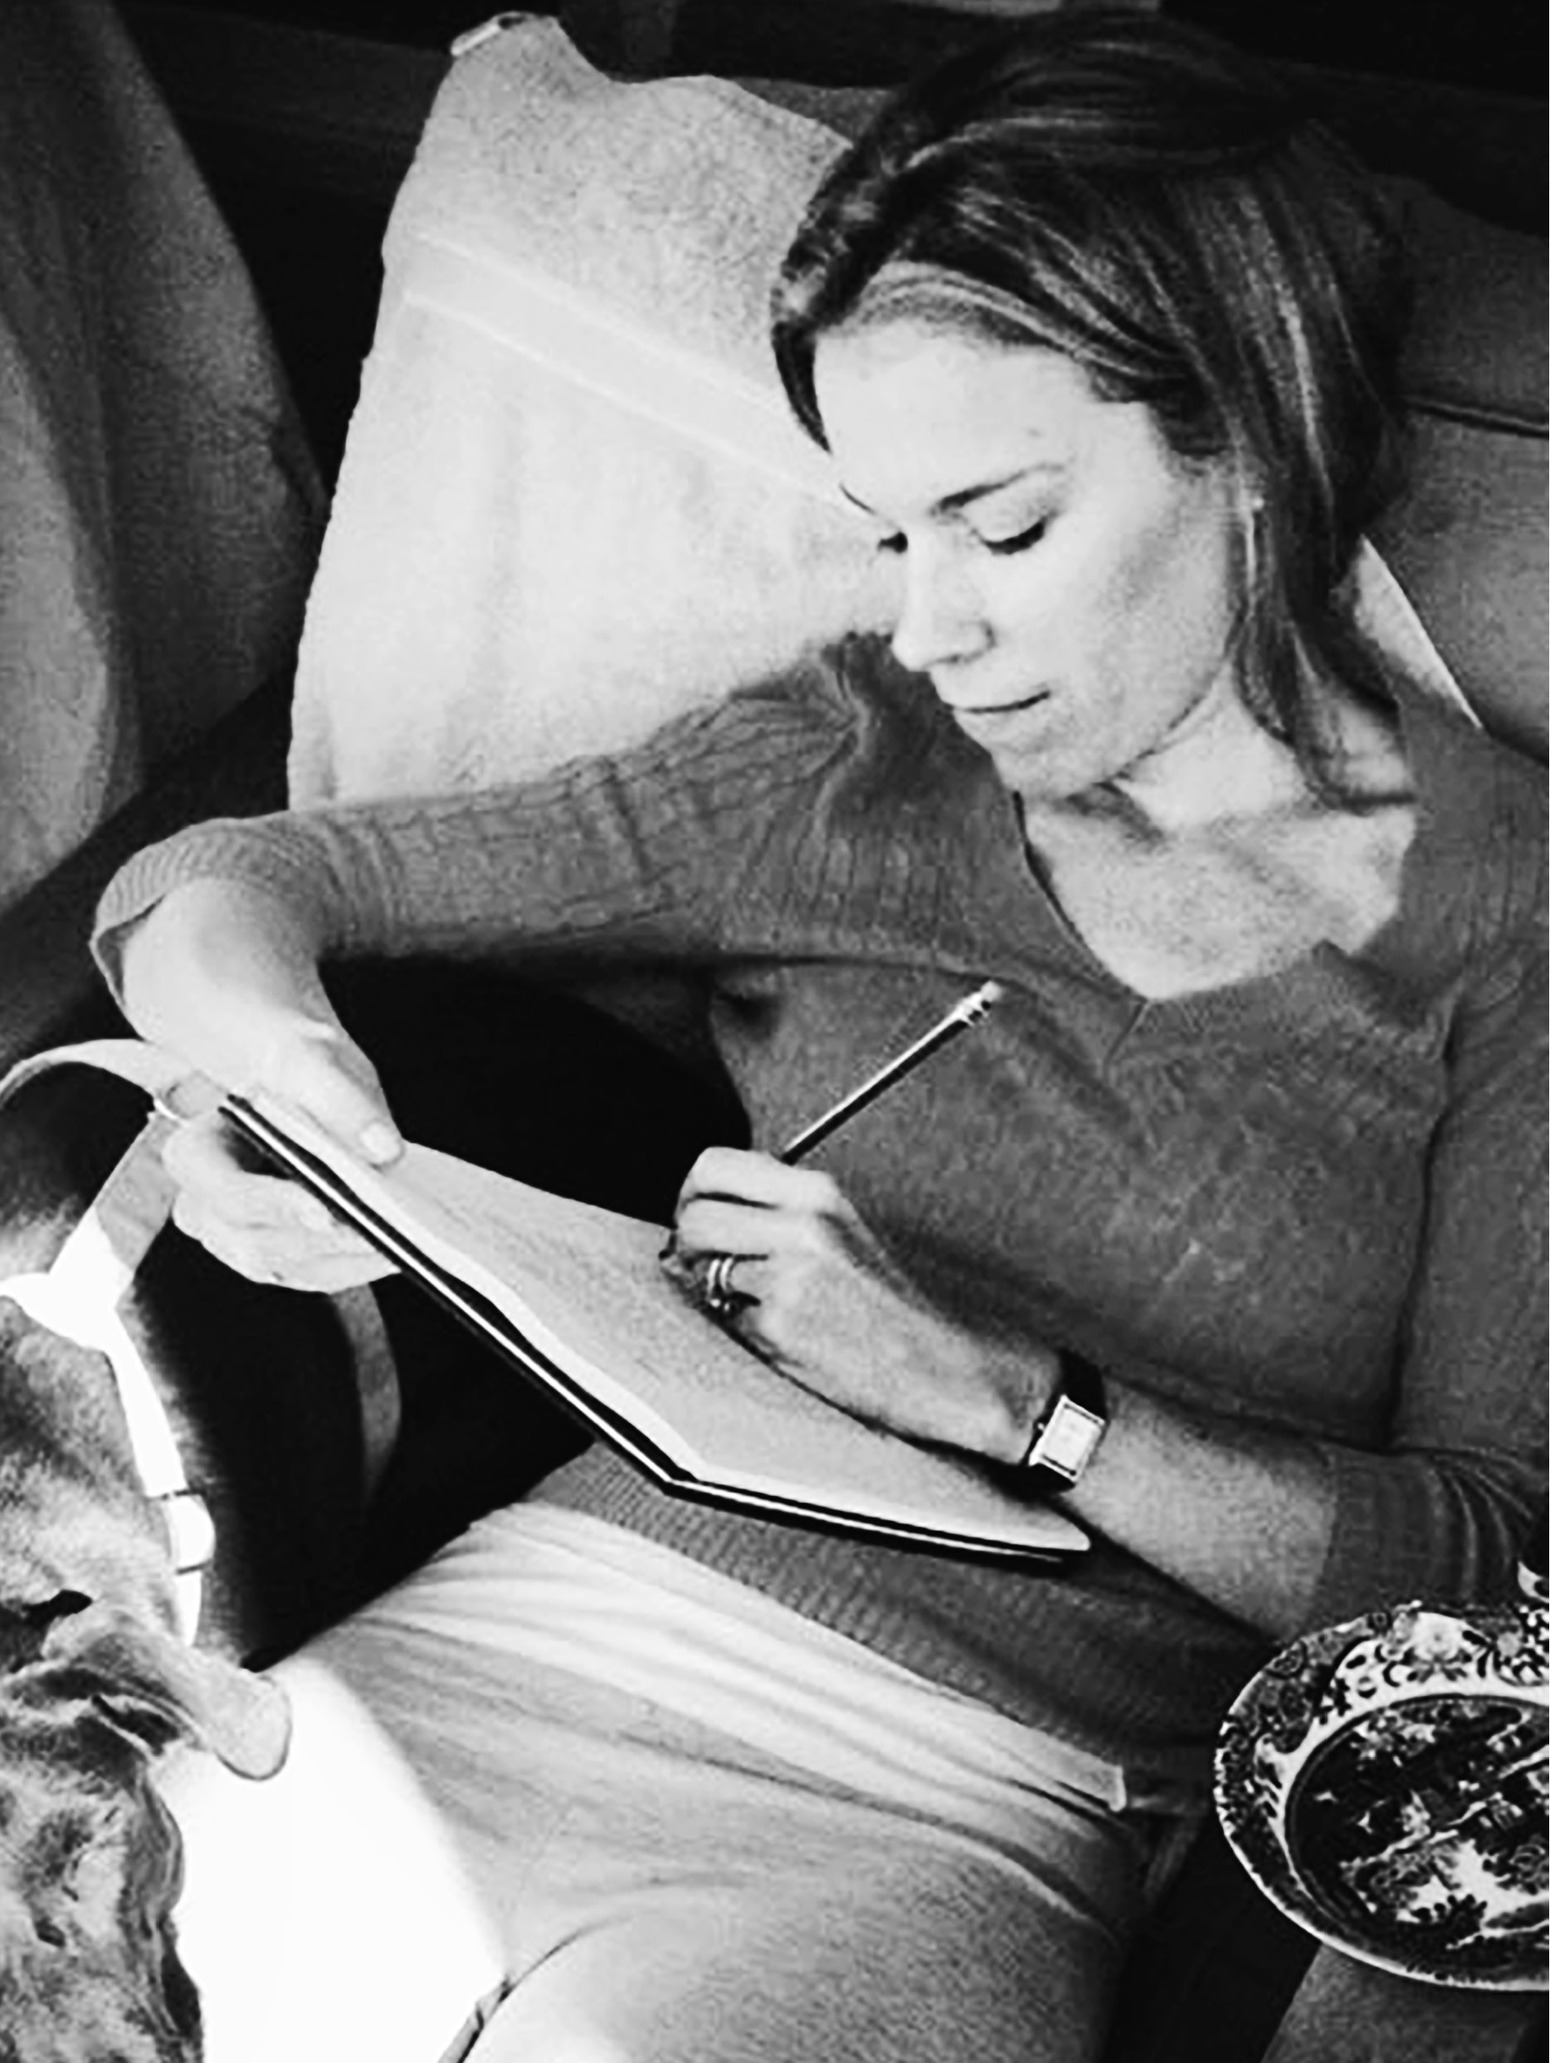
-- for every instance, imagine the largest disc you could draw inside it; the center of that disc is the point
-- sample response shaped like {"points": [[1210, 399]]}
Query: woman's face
{"points": [[1069, 582]]}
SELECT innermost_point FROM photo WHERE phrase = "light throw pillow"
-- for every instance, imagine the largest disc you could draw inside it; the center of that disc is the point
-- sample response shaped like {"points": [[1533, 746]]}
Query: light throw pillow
{"points": [[573, 502]]}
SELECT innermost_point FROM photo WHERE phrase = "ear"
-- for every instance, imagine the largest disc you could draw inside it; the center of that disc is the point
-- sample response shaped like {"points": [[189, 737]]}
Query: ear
{"points": [[155, 1687]]}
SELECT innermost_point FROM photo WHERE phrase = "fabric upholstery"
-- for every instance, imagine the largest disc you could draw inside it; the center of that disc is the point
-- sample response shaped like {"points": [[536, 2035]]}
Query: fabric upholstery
{"points": [[159, 509]]}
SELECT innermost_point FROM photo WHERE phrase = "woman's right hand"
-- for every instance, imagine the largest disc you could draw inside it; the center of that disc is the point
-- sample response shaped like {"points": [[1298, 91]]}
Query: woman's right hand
{"points": [[226, 978]]}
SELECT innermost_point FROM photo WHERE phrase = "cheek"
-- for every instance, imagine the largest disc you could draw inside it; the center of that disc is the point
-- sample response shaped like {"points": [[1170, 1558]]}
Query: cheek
{"points": [[1162, 601], [1078, 604], [1129, 600]]}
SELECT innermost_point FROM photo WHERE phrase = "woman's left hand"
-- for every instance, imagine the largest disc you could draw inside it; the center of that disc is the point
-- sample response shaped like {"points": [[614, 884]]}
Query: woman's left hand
{"points": [[818, 1295]]}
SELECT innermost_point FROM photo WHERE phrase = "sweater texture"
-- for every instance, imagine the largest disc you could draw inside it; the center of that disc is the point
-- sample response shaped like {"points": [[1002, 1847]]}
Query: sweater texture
{"points": [[1311, 1200]]}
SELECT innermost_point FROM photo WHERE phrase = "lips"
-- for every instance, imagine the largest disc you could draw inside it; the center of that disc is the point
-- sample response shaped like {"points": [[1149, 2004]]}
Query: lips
{"points": [[996, 712]]}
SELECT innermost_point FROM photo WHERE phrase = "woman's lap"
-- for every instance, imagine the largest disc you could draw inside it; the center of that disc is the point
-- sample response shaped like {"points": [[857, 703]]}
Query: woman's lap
{"points": [[661, 1889], [891, 1956]]}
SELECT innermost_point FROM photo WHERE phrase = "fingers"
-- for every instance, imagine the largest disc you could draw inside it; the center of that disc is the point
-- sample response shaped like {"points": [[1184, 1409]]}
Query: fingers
{"points": [[264, 1227], [780, 1258], [204, 1160], [728, 1228], [727, 1176], [316, 1067], [226, 976], [709, 1227], [751, 1233]]}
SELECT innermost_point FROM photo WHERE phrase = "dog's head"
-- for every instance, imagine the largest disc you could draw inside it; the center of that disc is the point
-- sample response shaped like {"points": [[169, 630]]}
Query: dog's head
{"points": [[90, 1858]]}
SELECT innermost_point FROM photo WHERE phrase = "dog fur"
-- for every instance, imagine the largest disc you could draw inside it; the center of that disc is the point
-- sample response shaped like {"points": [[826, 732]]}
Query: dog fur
{"points": [[95, 1685]]}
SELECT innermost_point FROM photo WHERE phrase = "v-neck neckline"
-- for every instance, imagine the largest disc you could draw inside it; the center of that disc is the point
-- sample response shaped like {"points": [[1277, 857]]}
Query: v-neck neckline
{"points": [[1038, 919]]}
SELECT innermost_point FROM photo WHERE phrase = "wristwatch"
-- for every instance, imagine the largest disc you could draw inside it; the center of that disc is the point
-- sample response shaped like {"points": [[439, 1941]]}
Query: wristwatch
{"points": [[1066, 1438]]}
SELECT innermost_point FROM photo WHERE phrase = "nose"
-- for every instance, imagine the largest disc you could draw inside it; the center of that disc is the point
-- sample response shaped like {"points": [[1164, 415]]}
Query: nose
{"points": [[941, 618]]}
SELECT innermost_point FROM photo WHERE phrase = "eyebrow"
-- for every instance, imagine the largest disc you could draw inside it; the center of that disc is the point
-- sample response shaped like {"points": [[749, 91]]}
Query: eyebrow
{"points": [[962, 497]]}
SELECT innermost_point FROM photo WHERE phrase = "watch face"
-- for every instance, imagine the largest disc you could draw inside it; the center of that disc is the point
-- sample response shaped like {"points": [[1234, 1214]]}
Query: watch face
{"points": [[1067, 1442]]}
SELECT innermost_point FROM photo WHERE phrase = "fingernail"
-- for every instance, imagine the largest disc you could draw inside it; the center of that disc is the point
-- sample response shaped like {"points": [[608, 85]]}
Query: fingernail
{"points": [[380, 1143]]}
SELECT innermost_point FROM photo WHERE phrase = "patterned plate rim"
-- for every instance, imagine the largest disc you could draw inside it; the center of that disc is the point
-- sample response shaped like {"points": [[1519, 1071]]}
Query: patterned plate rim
{"points": [[1286, 1692]]}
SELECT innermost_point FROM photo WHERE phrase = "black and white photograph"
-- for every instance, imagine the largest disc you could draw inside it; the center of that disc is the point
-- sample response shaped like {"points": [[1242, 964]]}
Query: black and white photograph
{"points": [[773, 1031]]}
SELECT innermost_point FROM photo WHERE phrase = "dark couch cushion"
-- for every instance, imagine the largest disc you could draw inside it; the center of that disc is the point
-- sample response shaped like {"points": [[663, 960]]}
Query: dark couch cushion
{"points": [[1468, 544]]}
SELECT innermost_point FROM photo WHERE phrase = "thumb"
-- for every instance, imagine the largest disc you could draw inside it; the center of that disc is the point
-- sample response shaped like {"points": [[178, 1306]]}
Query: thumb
{"points": [[317, 1068]]}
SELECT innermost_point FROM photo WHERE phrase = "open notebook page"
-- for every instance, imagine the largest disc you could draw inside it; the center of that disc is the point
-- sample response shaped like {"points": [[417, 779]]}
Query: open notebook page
{"points": [[584, 1288]]}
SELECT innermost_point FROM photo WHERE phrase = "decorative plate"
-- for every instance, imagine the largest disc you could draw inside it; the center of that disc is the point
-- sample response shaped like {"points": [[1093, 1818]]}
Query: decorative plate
{"points": [[1385, 1783]]}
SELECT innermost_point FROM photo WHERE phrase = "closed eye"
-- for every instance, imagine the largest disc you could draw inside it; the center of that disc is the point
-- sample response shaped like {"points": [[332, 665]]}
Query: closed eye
{"points": [[1004, 547], [896, 543]]}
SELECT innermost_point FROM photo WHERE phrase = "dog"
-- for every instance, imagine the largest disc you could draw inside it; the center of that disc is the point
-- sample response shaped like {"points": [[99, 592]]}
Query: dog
{"points": [[97, 1683]]}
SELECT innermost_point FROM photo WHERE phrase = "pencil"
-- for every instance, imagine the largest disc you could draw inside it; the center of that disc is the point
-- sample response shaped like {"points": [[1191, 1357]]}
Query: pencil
{"points": [[958, 1019]]}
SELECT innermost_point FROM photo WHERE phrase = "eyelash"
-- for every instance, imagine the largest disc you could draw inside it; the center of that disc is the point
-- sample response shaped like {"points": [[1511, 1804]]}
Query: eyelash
{"points": [[1001, 547], [1022, 542]]}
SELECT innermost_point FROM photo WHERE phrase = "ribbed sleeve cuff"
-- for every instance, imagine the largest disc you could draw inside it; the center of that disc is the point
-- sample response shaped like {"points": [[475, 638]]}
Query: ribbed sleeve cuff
{"points": [[260, 852], [1447, 1531]]}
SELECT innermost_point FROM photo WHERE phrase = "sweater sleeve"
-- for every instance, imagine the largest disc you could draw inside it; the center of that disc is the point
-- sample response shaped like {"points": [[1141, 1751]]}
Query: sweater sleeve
{"points": [[634, 857], [1445, 1511]]}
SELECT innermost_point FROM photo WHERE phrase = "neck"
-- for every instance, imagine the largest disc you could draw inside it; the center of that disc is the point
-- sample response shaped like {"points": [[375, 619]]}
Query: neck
{"points": [[1215, 763]]}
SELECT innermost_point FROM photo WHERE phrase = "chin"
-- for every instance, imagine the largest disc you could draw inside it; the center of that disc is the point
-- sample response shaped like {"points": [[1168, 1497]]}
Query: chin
{"points": [[1040, 773], [1031, 751]]}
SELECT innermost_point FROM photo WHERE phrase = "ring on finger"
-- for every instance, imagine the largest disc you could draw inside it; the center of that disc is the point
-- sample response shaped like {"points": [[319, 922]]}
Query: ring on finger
{"points": [[721, 1299]]}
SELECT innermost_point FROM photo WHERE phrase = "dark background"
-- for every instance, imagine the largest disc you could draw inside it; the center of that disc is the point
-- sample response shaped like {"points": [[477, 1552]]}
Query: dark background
{"points": [[304, 135], [1494, 44]]}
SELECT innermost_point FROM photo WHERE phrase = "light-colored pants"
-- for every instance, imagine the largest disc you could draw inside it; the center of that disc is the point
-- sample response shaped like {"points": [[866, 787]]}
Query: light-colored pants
{"points": [[706, 1831]]}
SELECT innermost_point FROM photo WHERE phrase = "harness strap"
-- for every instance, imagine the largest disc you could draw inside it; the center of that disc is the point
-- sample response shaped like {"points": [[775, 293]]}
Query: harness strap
{"points": [[80, 1297]]}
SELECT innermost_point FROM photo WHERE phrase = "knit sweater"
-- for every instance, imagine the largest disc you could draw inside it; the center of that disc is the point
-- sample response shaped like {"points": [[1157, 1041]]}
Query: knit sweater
{"points": [[1309, 1200]]}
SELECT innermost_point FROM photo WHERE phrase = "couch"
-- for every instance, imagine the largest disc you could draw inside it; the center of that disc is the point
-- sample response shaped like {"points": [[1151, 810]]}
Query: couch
{"points": [[278, 114]]}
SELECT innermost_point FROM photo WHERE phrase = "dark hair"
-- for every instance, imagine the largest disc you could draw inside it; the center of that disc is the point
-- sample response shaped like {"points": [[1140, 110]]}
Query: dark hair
{"points": [[1127, 191]]}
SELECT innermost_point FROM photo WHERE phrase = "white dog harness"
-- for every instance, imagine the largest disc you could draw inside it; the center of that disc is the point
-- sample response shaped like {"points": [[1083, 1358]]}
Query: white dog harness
{"points": [[81, 1295]]}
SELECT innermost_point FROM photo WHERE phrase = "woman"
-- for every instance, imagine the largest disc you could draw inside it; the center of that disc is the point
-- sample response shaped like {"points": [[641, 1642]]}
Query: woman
{"points": [[1234, 1183]]}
